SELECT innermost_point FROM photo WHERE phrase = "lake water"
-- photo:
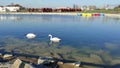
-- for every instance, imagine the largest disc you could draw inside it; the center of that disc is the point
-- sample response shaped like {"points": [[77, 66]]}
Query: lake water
{"points": [[84, 38]]}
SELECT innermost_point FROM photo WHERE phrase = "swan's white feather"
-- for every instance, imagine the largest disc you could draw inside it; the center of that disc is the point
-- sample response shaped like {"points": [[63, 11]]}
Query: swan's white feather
{"points": [[54, 39], [30, 35]]}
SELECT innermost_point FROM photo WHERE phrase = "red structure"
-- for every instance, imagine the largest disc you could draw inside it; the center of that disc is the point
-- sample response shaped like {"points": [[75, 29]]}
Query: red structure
{"points": [[96, 14], [32, 9], [46, 10], [67, 10], [54, 10]]}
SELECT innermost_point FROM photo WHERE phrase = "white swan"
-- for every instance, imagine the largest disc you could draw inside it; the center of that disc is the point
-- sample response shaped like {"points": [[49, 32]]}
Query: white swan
{"points": [[30, 35], [54, 39]]}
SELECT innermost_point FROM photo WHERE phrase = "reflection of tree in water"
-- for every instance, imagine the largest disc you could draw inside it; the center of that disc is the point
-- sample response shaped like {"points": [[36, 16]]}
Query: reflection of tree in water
{"points": [[47, 18], [35, 18], [107, 19]]}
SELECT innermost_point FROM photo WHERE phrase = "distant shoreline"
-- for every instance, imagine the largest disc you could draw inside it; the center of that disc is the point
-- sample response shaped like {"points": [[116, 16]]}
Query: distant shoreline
{"points": [[113, 15], [58, 13], [43, 13]]}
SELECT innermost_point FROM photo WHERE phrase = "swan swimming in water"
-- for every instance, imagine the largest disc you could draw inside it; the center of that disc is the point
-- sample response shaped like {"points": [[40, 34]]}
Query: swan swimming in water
{"points": [[30, 35], [54, 39]]}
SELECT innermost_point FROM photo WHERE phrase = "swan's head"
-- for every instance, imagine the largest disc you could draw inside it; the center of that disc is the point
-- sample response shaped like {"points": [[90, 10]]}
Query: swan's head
{"points": [[49, 35]]}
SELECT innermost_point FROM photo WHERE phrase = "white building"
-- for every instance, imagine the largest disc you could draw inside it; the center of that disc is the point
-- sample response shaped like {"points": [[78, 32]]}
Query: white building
{"points": [[13, 8], [84, 7], [2, 9], [10, 8]]}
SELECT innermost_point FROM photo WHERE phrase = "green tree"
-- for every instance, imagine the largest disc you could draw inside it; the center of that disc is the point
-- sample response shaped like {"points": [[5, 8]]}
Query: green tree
{"points": [[117, 7]]}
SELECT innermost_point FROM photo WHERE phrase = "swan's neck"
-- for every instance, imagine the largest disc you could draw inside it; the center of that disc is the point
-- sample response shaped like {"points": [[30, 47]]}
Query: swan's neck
{"points": [[51, 37]]}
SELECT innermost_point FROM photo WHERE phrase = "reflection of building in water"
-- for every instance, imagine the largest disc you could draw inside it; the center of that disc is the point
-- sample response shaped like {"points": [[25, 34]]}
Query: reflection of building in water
{"points": [[3, 17], [27, 18], [12, 17]]}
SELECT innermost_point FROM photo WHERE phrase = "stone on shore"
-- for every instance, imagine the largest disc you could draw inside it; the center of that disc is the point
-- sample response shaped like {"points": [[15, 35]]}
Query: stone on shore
{"points": [[7, 56], [19, 64]]}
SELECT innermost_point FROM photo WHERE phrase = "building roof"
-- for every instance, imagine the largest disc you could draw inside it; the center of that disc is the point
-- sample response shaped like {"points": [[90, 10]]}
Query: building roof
{"points": [[14, 5]]}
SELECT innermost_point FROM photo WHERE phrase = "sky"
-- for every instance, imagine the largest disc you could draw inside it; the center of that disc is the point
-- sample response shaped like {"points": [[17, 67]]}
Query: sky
{"points": [[59, 3]]}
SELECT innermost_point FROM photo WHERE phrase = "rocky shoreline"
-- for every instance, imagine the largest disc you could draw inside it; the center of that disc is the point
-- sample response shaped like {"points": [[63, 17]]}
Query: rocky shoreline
{"points": [[28, 61], [15, 60]]}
